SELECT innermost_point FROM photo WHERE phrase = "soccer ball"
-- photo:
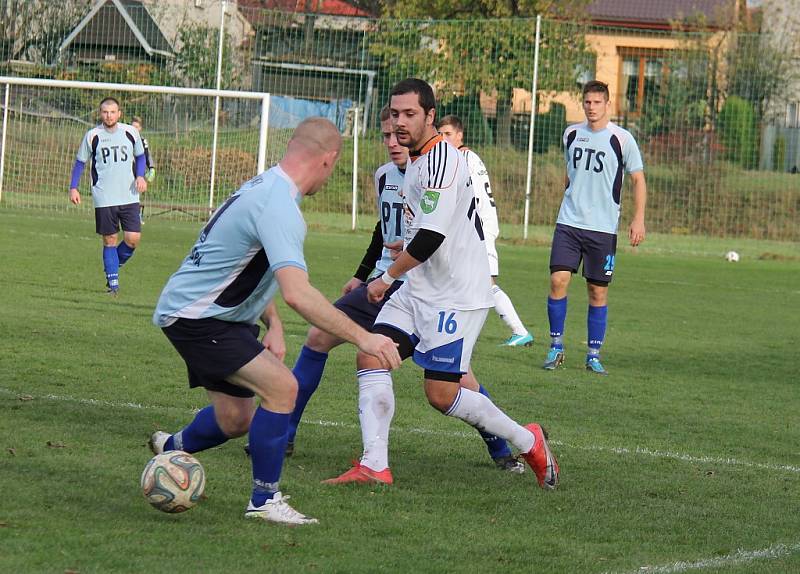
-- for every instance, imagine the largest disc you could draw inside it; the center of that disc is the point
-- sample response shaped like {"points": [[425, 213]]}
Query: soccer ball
{"points": [[173, 481], [731, 257]]}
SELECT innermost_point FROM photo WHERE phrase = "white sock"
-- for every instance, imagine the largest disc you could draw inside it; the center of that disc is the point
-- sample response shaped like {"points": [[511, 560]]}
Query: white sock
{"points": [[505, 308], [375, 411], [477, 410]]}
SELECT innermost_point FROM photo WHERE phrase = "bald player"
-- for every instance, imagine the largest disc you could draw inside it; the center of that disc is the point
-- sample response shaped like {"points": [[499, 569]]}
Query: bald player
{"points": [[250, 248]]}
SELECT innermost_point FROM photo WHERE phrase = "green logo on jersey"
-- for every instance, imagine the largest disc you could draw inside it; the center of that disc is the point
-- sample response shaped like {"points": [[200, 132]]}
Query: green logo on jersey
{"points": [[429, 201]]}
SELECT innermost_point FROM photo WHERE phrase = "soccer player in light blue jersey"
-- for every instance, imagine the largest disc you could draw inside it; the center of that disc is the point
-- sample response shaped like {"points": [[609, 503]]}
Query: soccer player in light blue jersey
{"points": [[117, 158], [598, 153], [248, 250]]}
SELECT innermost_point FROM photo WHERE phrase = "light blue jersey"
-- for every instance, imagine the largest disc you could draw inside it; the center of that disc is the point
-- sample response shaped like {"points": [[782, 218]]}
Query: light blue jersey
{"points": [[113, 157], [230, 272], [596, 162], [389, 187]]}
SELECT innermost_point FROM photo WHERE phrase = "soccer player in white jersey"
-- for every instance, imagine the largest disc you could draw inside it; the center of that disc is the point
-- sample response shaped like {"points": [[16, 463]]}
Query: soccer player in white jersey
{"points": [[452, 129], [597, 152], [250, 248], [117, 158], [437, 314], [376, 398]]}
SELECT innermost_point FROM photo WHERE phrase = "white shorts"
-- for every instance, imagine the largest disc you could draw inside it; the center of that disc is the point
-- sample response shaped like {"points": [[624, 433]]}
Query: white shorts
{"points": [[443, 338], [491, 251]]}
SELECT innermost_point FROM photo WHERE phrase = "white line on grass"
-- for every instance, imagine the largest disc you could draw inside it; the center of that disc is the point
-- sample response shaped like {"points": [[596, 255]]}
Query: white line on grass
{"points": [[734, 558], [637, 451]]}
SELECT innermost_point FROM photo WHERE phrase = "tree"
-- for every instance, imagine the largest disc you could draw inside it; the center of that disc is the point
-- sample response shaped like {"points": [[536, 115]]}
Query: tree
{"points": [[196, 61], [484, 46]]}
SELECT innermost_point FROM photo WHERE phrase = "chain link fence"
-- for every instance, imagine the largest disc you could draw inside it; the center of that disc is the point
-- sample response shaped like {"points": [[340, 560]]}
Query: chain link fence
{"points": [[715, 113]]}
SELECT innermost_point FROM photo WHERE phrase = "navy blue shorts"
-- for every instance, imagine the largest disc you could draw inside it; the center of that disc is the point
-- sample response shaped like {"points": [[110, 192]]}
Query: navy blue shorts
{"points": [[356, 305], [107, 220], [214, 350], [596, 249]]}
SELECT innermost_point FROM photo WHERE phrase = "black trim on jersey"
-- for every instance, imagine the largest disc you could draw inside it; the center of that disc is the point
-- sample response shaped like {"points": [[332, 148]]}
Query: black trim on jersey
{"points": [[424, 244], [443, 168], [571, 138], [245, 283], [372, 254], [616, 191], [381, 184], [95, 143], [416, 153], [131, 138]]}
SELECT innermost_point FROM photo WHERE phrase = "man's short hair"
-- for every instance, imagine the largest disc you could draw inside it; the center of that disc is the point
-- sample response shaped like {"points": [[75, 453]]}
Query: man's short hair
{"points": [[596, 87], [416, 86], [386, 113], [109, 100], [317, 135], [138, 120], [452, 120]]}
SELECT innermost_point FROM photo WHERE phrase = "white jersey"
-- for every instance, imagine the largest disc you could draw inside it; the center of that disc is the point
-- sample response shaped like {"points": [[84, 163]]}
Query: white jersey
{"points": [[438, 196], [483, 192], [389, 188]]}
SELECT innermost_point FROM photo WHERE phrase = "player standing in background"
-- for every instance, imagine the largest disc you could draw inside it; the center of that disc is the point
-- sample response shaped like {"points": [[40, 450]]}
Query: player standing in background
{"points": [[150, 167], [452, 129], [437, 314], [117, 168], [251, 247], [376, 397], [597, 152]]}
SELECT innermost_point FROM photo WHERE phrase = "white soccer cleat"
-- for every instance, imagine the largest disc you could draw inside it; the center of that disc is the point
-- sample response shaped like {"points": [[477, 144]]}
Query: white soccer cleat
{"points": [[157, 441], [278, 510]]}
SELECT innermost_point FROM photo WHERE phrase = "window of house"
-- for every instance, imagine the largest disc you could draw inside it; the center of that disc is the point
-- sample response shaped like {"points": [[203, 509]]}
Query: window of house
{"points": [[641, 77]]}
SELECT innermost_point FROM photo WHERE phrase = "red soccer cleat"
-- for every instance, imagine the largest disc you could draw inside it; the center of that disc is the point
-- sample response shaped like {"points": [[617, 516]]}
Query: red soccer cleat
{"points": [[541, 460], [362, 474]]}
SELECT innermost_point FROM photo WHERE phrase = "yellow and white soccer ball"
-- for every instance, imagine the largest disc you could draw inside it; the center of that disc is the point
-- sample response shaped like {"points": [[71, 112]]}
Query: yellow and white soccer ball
{"points": [[173, 481], [732, 257]]}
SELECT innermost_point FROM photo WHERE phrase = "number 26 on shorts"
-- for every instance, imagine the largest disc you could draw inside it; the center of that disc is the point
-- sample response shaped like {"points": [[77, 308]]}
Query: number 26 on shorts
{"points": [[448, 325]]}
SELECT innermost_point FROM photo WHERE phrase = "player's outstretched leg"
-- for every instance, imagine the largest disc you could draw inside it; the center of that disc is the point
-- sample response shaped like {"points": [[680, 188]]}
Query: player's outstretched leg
{"points": [[520, 336], [478, 411], [557, 314], [202, 433], [375, 412], [308, 371]]}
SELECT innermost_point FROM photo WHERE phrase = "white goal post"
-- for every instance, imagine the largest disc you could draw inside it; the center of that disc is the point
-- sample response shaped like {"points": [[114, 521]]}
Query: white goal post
{"points": [[264, 98]]}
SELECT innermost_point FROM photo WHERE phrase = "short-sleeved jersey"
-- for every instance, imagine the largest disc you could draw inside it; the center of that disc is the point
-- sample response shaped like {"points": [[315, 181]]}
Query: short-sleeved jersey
{"points": [[112, 157], [483, 192], [438, 196], [596, 162], [229, 273], [389, 188]]}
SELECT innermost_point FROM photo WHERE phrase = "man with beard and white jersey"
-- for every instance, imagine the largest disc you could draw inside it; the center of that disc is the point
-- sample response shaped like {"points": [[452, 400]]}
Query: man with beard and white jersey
{"points": [[437, 314], [452, 129]]}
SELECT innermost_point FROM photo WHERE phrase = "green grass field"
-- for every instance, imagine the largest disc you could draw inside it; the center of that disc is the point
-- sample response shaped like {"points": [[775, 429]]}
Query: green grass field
{"points": [[684, 459]]}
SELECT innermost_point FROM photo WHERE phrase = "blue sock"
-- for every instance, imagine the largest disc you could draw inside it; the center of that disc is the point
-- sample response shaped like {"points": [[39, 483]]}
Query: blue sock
{"points": [[268, 438], [202, 433], [496, 446], [111, 265], [596, 321], [557, 313], [308, 372], [124, 252]]}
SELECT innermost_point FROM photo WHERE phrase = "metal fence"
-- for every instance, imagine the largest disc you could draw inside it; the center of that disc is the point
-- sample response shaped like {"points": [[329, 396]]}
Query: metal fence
{"points": [[715, 113]]}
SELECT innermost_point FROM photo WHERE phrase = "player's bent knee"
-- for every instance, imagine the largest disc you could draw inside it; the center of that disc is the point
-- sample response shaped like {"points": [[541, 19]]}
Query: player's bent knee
{"points": [[440, 390], [320, 341]]}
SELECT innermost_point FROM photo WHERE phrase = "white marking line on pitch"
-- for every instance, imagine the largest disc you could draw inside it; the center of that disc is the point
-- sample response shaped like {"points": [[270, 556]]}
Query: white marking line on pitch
{"points": [[733, 559], [640, 451]]}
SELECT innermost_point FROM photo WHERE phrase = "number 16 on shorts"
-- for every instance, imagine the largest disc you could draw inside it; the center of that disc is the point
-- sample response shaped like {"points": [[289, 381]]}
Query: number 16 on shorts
{"points": [[447, 325]]}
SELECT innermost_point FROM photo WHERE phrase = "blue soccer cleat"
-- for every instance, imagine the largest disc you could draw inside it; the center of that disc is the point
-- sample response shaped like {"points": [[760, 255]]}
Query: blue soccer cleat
{"points": [[555, 357], [525, 340], [594, 365]]}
